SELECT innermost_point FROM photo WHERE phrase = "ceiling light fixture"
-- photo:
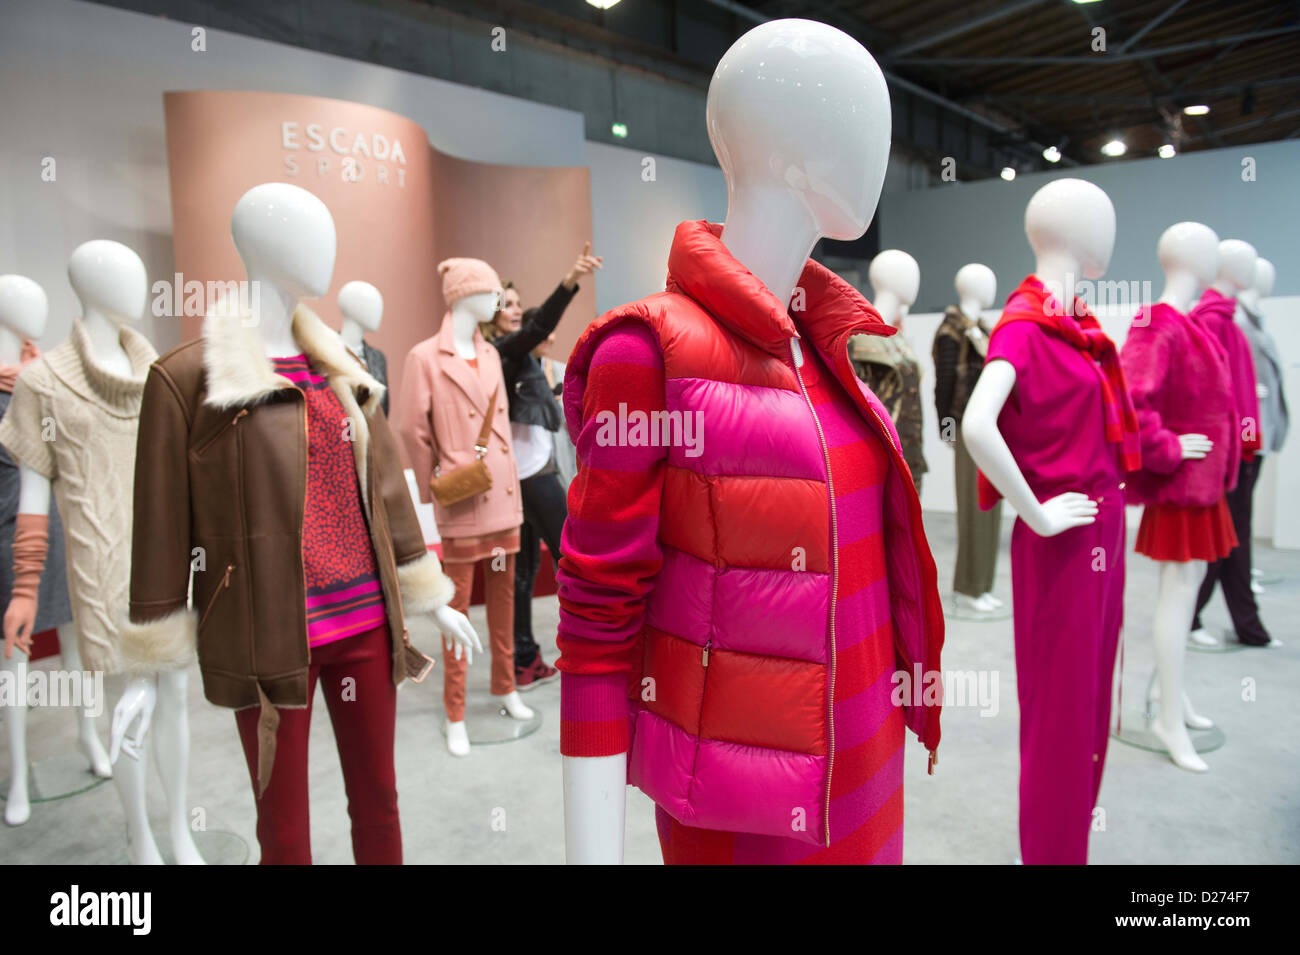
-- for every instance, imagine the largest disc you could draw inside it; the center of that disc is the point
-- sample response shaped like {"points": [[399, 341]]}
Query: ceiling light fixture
{"points": [[602, 4], [1052, 154], [1113, 148], [1196, 109], [1008, 173], [619, 130], [1167, 151]]}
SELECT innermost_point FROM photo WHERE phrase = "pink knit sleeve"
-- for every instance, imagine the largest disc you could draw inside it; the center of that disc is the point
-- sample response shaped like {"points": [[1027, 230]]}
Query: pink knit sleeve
{"points": [[611, 552]]}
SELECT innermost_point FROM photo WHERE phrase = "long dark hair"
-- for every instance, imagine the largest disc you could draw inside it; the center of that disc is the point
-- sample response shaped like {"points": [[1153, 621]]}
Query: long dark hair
{"points": [[489, 328]]}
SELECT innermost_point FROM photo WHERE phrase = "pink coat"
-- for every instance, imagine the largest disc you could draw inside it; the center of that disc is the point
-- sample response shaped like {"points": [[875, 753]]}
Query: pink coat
{"points": [[1180, 384], [439, 414], [1215, 313]]}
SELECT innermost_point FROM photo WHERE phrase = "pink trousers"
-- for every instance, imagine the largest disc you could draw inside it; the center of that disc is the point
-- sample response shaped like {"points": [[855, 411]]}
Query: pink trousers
{"points": [[1068, 595]]}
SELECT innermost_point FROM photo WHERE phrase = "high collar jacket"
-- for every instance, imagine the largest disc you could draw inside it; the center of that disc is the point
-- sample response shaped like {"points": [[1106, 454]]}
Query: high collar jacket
{"points": [[220, 490]]}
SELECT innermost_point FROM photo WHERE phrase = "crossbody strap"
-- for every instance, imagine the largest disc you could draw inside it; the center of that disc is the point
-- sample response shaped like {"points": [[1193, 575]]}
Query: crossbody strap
{"points": [[485, 432]]}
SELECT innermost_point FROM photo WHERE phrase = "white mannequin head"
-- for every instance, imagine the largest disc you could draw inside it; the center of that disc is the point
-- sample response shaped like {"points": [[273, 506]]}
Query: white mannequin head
{"points": [[1265, 276], [110, 280], [1071, 228], [362, 303], [23, 307], [895, 280], [976, 288], [481, 306], [1236, 267], [1189, 255], [285, 236], [802, 107]]}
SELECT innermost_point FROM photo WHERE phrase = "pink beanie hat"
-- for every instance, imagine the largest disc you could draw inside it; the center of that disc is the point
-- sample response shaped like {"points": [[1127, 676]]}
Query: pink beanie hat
{"points": [[461, 277]]}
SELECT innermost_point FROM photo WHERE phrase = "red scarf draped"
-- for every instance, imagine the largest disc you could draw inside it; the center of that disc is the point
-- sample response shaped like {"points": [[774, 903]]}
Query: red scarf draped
{"points": [[1034, 303], [9, 373]]}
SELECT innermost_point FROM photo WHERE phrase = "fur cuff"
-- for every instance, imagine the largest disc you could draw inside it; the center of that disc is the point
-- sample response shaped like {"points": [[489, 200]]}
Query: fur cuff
{"points": [[167, 643], [424, 586]]}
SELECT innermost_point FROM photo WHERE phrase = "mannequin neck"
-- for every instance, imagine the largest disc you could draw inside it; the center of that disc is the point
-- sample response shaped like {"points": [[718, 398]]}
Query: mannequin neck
{"points": [[770, 233], [1224, 287], [351, 334], [1249, 299], [11, 346], [273, 308], [972, 308], [105, 340], [1060, 272], [464, 325], [890, 307], [1180, 290]]}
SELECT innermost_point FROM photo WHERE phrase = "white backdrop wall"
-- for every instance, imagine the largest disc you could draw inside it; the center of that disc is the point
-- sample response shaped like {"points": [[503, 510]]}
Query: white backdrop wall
{"points": [[950, 225]]}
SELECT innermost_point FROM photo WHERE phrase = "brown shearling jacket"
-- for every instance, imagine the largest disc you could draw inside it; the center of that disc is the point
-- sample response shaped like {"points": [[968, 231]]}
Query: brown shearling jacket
{"points": [[221, 465]]}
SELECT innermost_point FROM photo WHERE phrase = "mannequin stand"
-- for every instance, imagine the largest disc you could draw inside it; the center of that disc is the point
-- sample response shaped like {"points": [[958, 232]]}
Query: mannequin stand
{"points": [[487, 722], [217, 846], [56, 777], [1137, 732]]}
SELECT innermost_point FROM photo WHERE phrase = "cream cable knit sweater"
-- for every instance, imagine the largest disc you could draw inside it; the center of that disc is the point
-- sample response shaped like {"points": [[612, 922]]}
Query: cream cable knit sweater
{"points": [[75, 422]]}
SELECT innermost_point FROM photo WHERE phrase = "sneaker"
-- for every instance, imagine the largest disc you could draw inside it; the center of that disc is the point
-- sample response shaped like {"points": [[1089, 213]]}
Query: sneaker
{"points": [[534, 675]]}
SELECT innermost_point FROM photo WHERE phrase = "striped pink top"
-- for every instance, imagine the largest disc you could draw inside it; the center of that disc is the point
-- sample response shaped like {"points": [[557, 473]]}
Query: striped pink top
{"points": [[344, 597]]}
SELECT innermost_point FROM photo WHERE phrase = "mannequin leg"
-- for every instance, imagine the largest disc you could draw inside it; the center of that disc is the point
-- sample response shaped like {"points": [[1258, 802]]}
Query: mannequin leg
{"points": [[18, 808], [526, 564], [1175, 605], [171, 750], [363, 712], [453, 670], [87, 734], [1234, 573], [1065, 592], [499, 591], [131, 777]]}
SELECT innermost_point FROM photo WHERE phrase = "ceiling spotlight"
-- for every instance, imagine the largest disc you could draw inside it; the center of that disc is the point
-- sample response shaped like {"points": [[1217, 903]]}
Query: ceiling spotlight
{"points": [[1113, 148], [1196, 109], [602, 4], [1085, 1], [1167, 151], [619, 130], [1052, 154], [1008, 173]]}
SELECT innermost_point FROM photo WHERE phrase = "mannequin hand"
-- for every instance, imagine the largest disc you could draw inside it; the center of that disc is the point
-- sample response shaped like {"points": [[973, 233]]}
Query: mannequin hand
{"points": [[586, 264], [457, 630], [19, 621], [1195, 446], [138, 700], [1063, 512]]}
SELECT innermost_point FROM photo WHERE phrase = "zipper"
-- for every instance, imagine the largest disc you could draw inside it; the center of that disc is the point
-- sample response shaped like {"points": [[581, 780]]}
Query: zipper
{"points": [[225, 583], [796, 357], [213, 440], [841, 348]]}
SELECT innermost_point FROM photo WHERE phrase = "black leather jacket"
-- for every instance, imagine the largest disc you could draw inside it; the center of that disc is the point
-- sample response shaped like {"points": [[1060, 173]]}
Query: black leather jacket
{"points": [[531, 398]]}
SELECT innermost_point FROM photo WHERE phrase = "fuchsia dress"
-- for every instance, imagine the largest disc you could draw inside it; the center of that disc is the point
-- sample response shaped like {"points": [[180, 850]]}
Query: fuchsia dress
{"points": [[1067, 590]]}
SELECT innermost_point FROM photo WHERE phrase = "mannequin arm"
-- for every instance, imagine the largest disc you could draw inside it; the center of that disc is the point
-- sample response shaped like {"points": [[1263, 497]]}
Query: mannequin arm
{"points": [[595, 807], [538, 323], [990, 452]]}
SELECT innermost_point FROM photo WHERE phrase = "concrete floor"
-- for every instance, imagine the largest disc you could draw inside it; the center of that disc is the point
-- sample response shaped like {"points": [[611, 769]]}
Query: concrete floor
{"points": [[503, 803]]}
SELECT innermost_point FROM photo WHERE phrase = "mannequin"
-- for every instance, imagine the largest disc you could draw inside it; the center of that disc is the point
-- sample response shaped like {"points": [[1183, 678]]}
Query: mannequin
{"points": [[1216, 311], [110, 281], [23, 311], [960, 344], [1178, 379], [451, 385], [234, 382], [363, 310], [889, 365], [795, 171], [1058, 454], [466, 314]]}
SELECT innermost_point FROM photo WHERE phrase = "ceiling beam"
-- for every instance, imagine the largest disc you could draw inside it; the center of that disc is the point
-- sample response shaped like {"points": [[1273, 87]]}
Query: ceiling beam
{"points": [[965, 26], [1094, 59], [1151, 25]]}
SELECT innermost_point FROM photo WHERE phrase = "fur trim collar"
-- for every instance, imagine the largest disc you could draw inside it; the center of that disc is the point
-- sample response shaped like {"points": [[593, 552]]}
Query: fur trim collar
{"points": [[239, 373]]}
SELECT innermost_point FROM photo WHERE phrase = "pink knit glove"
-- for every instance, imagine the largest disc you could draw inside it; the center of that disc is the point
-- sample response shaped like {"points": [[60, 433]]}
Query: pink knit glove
{"points": [[31, 540]]}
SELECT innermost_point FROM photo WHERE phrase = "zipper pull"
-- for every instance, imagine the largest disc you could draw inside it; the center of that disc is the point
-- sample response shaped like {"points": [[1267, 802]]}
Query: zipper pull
{"points": [[796, 352], [242, 412], [705, 659], [225, 580], [934, 761]]}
